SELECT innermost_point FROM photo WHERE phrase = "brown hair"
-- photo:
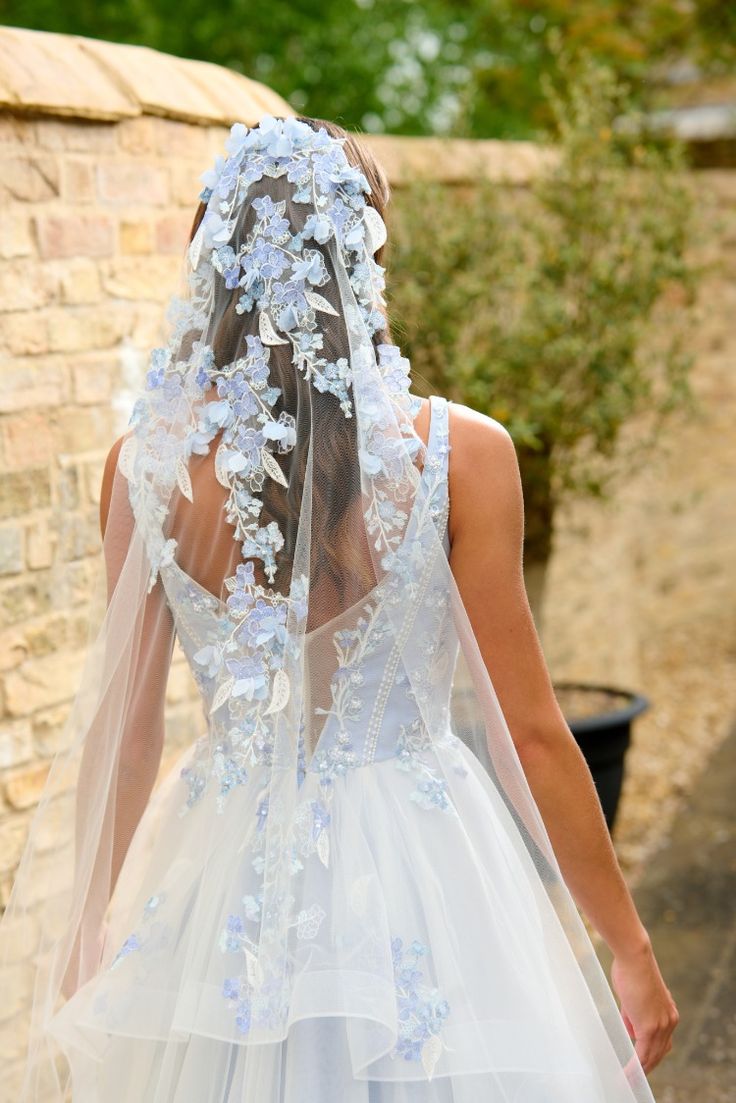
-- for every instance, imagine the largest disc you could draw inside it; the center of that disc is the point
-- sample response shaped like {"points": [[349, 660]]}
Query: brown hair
{"points": [[343, 562]]}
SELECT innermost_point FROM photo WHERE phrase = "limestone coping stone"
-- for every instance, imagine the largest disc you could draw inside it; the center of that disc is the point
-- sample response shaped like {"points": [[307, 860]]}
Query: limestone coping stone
{"points": [[458, 160], [84, 78]]}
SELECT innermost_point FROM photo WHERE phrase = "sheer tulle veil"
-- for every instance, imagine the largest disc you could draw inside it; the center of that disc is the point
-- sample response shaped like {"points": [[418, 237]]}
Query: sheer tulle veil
{"points": [[271, 475]]}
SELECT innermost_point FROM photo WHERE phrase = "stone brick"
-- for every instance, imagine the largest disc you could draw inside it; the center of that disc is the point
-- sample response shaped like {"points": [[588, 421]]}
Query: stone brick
{"points": [[23, 491], [58, 831], [77, 180], [27, 440], [79, 535], [66, 489], [93, 480], [131, 182], [136, 278], [25, 333], [172, 233], [18, 982], [135, 236], [147, 334], [40, 544], [11, 549], [77, 135], [48, 634], [32, 383], [93, 380], [53, 876], [27, 597], [15, 130], [71, 235], [13, 647], [49, 730], [23, 285], [19, 941], [79, 281], [30, 179], [185, 183], [16, 232], [23, 788], [13, 1046], [16, 743], [176, 139], [137, 135], [84, 328], [81, 579], [84, 429], [38, 683], [13, 835]]}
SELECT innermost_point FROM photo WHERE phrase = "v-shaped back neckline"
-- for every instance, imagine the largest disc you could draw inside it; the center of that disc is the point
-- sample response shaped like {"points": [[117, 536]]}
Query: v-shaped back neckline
{"points": [[437, 411]]}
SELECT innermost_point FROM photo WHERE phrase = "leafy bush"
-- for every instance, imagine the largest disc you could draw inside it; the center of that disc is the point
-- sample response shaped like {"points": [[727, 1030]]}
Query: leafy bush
{"points": [[560, 309]]}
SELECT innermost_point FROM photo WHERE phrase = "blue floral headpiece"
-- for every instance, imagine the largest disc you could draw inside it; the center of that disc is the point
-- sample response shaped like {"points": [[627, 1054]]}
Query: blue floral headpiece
{"points": [[247, 244], [277, 272]]}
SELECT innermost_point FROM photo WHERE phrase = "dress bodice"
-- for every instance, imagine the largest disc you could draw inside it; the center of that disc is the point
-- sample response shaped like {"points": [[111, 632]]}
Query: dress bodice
{"points": [[378, 686]]}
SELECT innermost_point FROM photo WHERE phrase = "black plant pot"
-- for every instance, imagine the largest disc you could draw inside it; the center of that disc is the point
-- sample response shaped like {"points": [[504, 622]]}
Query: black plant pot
{"points": [[602, 730]]}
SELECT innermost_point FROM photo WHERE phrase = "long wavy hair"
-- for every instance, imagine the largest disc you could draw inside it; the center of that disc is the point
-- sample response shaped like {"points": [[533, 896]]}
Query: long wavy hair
{"points": [[332, 494]]}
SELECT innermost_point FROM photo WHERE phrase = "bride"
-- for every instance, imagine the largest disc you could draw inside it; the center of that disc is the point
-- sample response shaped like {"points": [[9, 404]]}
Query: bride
{"points": [[359, 880]]}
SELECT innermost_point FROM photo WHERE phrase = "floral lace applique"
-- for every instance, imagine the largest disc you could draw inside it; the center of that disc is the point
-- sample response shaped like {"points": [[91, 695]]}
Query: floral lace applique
{"points": [[422, 1009], [148, 937], [353, 646], [255, 998], [414, 748]]}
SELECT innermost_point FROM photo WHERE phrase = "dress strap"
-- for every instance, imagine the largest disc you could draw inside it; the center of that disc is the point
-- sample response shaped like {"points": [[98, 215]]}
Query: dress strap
{"points": [[436, 464], [438, 440]]}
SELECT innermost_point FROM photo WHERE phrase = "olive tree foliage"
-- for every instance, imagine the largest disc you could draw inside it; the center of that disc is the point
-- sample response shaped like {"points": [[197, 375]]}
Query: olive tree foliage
{"points": [[561, 309]]}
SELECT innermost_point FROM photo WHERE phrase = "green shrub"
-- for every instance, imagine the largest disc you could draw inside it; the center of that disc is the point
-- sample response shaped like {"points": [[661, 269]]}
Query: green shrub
{"points": [[560, 309]]}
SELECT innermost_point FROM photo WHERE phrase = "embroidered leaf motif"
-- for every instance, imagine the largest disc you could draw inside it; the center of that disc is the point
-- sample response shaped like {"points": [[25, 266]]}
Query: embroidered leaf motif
{"points": [[126, 457], [267, 333], [323, 848], [271, 467], [221, 473], [222, 694], [431, 1051], [252, 968], [195, 248], [317, 302], [280, 692], [376, 229], [309, 921], [183, 480]]}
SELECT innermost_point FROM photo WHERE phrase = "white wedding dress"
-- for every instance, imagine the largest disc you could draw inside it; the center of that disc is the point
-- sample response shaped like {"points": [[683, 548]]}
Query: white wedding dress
{"points": [[425, 961]]}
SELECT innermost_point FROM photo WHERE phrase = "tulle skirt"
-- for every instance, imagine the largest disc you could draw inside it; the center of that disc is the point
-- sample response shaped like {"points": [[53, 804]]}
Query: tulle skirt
{"points": [[427, 962]]}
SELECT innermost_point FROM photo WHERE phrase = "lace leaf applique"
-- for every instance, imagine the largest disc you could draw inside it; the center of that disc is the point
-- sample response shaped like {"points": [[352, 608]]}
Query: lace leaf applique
{"points": [[422, 1010]]}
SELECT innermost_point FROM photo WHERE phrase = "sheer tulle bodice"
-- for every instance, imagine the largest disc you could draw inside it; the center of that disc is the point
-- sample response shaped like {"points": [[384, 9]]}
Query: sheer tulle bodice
{"points": [[366, 705]]}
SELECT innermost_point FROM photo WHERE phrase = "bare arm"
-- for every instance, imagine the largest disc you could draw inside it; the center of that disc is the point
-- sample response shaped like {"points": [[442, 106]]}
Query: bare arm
{"points": [[141, 749], [486, 531], [140, 745]]}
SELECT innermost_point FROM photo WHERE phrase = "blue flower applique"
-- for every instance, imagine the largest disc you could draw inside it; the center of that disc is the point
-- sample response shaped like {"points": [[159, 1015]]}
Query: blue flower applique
{"points": [[422, 1010], [147, 937]]}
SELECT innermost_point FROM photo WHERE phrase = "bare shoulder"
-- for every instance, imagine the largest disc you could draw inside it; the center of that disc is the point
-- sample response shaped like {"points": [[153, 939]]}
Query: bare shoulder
{"points": [[477, 436], [108, 477], [485, 483]]}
